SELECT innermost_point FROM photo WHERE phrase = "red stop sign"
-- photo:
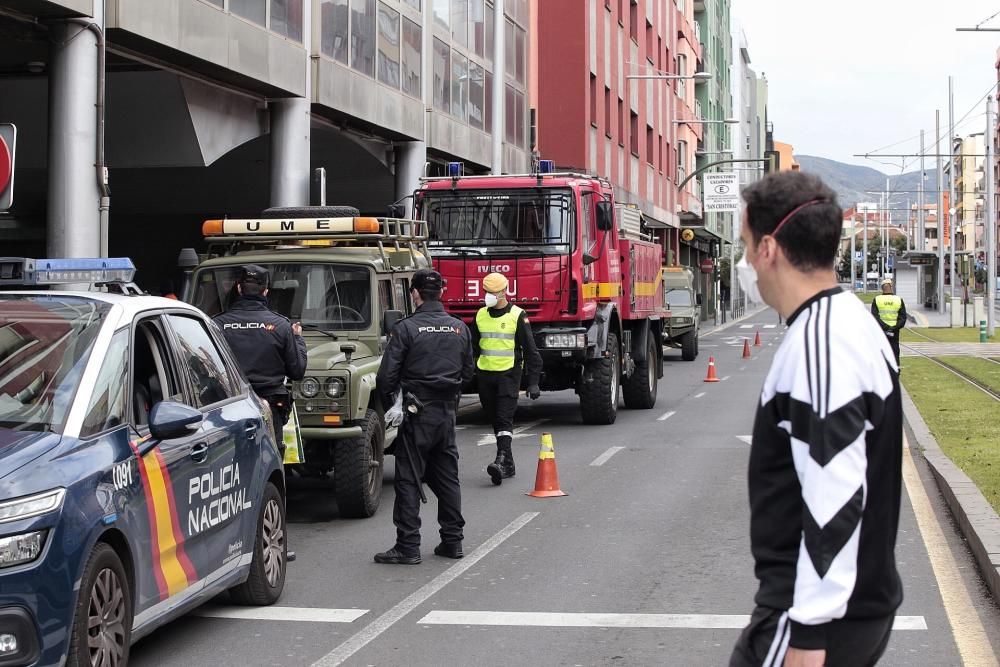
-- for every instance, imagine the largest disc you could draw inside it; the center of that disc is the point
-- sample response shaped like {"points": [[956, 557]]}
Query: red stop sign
{"points": [[6, 164], [707, 265]]}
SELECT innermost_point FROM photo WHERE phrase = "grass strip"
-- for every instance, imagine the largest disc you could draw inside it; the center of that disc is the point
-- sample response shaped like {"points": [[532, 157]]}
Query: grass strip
{"points": [[942, 335], [982, 371], [964, 420]]}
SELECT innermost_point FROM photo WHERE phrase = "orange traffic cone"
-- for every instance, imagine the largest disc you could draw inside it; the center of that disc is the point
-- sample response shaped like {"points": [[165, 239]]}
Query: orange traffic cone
{"points": [[756, 340], [746, 348], [546, 477], [711, 377]]}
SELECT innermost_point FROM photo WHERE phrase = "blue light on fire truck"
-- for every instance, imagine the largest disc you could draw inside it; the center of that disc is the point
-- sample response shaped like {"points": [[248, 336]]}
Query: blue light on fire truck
{"points": [[454, 169], [546, 166], [27, 271]]}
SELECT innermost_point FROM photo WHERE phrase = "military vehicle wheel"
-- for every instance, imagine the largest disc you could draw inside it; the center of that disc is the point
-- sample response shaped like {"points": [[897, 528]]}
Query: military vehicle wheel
{"points": [[357, 469], [599, 389], [689, 346], [310, 212], [640, 389], [270, 554], [102, 623]]}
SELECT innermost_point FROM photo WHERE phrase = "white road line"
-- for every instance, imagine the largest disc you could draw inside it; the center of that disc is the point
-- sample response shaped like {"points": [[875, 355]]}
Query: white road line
{"points": [[519, 432], [302, 614], [746, 438], [340, 654], [967, 628], [770, 326], [707, 345], [746, 326], [665, 416], [723, 379], [598, 620], [603, 458], [699, 395], [743, 368]]}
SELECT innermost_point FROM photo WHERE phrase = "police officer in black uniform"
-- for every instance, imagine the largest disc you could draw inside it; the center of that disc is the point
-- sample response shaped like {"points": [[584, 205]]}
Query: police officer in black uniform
{"points": [[267, 345], [429, 357]]}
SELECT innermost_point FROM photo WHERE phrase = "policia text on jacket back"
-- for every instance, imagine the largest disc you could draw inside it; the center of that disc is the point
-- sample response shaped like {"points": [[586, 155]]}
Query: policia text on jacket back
{"points": [[502, 341], [890, 311], [428, 358]]}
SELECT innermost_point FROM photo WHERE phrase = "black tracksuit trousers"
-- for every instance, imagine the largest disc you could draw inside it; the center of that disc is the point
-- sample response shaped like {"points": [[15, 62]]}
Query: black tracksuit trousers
{"points": [[498, 394]]}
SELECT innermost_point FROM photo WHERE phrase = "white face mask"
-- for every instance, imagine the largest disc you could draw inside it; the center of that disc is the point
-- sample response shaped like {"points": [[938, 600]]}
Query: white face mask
{"points": [[747, 276], [491, 300]]}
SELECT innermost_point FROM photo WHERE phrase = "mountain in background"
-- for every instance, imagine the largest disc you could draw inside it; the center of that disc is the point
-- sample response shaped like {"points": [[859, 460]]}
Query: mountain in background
{"points": [[852, 181]]}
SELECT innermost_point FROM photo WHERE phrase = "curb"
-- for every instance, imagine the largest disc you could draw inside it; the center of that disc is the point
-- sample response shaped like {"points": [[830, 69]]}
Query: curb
{"points": [[739, 319], [979, 523]]}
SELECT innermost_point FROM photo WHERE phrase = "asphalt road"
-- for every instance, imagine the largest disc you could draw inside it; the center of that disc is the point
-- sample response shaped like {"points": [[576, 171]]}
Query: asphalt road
{"points": [[645, 562]]}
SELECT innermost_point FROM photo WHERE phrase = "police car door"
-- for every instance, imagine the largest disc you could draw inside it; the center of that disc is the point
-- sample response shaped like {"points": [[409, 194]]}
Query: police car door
{"points": [[216, 493]]}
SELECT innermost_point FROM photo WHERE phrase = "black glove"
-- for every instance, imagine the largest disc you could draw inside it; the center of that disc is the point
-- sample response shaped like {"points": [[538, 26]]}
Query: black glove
{"points": [[533, 391]]}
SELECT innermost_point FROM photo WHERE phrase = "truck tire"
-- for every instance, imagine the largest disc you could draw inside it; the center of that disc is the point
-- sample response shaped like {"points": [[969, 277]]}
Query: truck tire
{"points": [[640, 389], [599, 389], [357, 469], [689, 346], [270, 554], [310, 212]]}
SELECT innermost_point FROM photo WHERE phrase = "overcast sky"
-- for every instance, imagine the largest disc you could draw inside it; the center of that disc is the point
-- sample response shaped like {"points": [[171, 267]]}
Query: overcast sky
{"points": [[852, 76]]}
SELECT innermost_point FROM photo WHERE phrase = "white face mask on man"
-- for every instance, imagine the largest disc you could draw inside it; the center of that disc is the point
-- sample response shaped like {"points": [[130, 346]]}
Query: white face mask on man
{"points": [[747, 275], [491, 300]]}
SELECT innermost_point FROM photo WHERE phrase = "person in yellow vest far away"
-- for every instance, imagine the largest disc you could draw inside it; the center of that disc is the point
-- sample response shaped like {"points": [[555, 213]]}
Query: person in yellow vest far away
{"points": [[504, 345], [890, 311]]}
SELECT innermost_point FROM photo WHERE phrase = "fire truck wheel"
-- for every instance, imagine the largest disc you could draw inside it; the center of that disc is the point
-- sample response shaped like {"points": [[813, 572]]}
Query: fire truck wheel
{"points": [[599, 389], [640, 389], [310, 212], [689, 346], [357, 469]]}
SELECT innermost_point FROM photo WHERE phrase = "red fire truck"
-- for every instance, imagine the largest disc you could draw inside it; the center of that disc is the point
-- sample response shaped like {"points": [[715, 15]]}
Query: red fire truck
{"points": [[592, 288]]}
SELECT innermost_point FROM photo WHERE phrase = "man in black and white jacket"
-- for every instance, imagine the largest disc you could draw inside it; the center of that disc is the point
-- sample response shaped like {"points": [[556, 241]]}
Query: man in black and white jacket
{"points": [[826, 460]]}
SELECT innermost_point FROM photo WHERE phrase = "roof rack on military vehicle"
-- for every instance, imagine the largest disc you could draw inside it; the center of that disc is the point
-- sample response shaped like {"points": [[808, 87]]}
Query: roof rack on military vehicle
{"points": [[235, 234]]}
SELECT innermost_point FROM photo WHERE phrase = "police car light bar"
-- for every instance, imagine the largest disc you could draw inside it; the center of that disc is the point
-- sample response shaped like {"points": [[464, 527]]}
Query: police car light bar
{"points": [[279, 227], [27, 271]]}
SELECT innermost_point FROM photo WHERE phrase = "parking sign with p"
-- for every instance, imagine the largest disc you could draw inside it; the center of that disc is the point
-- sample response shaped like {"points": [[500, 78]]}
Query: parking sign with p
{"points": [[8, 137]]}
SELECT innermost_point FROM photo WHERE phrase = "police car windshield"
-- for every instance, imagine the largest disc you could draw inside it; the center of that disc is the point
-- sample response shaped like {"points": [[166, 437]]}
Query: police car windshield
{"points": [[326, 296], [539, 219], [45, 342]]}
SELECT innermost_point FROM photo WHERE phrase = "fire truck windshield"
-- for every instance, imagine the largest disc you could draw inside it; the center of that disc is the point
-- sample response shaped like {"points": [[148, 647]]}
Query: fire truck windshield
{"points": [[541, 220]]}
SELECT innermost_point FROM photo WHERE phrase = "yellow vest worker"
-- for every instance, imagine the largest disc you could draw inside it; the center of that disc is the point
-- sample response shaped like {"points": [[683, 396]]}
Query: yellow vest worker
{"points": [[890, 311], [503, 343]]}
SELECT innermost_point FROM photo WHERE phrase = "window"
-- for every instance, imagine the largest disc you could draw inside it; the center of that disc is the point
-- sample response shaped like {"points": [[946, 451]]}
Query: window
{"points": [[252, 10], [388, 46], [681, 71], [488, 105], [200, 357], [459, 85], [634, 134], [520, 54], [633, 20], [441, 12], [286, 18], [681, 160], [519, 118], [650, 146], [363, 36], [489, 33], [442, 76], [384, 295], [476, 95], [404, 301], [621, 123], [593, 100], [413, 3], [412, 48], [334, 21], [460, 21], [510, 120], [607, 112], [478, 17], [508, 48], [153, 371], [108, 400], [650, 42]]}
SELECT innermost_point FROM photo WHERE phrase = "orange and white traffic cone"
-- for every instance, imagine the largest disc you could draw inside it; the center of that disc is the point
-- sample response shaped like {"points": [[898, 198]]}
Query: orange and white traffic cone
{"points": [[546, 476], [756, 340], [711, 377], [746, 348]]}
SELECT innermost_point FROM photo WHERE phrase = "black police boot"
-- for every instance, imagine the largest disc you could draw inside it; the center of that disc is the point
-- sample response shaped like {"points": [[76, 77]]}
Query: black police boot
{"points": [[495, 469], [449, 550], [396, 557], [508, 465]]}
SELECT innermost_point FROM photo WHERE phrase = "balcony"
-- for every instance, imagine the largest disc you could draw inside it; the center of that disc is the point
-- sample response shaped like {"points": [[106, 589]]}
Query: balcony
{"points": [[699, 5]]}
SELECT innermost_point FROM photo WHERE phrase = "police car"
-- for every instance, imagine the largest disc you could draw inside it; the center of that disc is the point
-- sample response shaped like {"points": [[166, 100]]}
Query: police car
{"points": [[138, 472]]}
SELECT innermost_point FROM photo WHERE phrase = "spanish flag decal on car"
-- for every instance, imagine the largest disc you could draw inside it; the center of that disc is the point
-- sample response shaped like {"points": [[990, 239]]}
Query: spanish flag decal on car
{"points": [[171, 566]]}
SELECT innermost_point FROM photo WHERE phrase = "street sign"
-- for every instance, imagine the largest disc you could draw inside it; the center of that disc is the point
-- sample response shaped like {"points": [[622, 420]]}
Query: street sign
{"points": [[707, 265], [721, 192], [890, 261], [859, 256], [8, 139]]}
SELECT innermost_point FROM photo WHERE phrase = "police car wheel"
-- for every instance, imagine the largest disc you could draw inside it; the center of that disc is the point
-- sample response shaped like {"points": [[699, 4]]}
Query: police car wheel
{"points": [[270, 554], [102, 624]]}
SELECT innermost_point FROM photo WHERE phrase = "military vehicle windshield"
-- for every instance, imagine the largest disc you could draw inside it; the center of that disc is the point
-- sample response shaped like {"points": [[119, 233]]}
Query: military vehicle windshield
{"points": [[326, 296], [541, 220], [678, 297]]}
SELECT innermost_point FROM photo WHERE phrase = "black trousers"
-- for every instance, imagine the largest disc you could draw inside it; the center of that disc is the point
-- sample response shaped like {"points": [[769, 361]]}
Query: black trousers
{"points": [[281, 408], [850, 642], [498, 394], [893, 337], [429, 438]]}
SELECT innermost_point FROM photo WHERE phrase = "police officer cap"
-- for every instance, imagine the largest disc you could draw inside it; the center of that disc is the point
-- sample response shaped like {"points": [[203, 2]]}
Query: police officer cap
{"points": [[427, 279], [495, 283], [252, 273]]}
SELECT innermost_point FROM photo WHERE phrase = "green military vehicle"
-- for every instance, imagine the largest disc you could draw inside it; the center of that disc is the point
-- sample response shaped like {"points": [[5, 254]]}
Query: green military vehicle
{"points": [[346, 279], [682, 326]]}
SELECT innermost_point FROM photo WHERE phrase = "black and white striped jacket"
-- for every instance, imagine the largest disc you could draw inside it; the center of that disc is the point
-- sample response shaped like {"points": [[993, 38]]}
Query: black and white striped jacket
{"points": [[825, 471]]}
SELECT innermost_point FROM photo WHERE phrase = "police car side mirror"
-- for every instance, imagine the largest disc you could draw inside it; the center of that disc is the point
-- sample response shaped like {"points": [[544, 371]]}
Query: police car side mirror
{"points": [[169, 420], [389, 320]]}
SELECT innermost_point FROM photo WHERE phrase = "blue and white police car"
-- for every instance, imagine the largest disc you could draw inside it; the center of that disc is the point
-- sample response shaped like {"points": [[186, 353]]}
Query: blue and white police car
{"points": [[138, 472]]}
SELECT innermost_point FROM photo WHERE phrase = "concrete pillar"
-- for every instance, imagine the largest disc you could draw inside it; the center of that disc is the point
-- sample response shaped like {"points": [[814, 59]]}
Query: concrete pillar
{"points": [[74, 228], [410, 158], [290, 131]]}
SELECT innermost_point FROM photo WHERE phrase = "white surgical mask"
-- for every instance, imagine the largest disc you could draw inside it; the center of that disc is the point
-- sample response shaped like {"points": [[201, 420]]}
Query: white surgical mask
{"points": [[491, 300], [747, 276]]}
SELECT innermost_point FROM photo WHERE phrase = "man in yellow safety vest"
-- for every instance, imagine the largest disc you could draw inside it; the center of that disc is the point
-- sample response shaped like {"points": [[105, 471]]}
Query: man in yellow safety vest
{"points": [[890, 311], [503, 343]]}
